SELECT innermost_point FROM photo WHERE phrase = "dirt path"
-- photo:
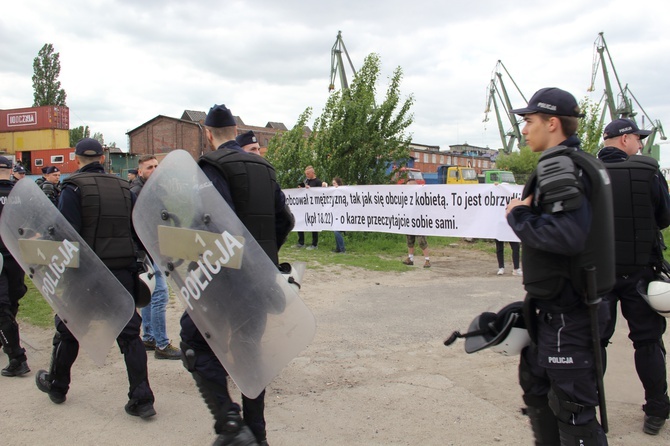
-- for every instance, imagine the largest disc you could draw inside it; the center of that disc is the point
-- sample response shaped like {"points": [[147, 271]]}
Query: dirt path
{"points": [[375, 374]]}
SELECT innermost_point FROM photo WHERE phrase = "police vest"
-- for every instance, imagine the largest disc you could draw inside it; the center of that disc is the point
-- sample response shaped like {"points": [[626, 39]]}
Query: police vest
{"points": [[108, 233], [5, 188], [545, 274], [634, 222], [252, 182]]}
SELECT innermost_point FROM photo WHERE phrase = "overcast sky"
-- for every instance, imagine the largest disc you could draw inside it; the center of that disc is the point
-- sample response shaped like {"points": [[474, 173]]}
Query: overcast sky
{"points": [[123, 62]]}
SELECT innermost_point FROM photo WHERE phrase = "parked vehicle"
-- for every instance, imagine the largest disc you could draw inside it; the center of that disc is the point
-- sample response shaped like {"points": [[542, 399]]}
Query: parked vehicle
{"points": [[405, 174], [496, 176]]}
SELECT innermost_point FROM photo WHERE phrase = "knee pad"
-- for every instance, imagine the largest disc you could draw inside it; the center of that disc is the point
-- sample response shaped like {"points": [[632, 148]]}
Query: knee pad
{"points": [[187, 356], [562, 407]]}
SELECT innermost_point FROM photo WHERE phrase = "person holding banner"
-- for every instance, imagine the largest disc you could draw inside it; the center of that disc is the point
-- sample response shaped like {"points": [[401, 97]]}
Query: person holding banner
{"points": [[641, 210], [339, 237], [310, 181], [99, 207], [248, 184], [12, 289], [565, 223]]}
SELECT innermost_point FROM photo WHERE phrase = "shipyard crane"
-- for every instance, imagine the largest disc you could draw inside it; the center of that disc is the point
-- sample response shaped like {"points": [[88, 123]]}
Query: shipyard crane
{"points": [[498, 96], [621, 105], [337, 63]]}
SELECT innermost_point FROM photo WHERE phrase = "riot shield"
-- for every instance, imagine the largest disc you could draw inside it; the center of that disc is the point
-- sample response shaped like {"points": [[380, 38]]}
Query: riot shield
{"points": [[250, 315], [92, 303]]}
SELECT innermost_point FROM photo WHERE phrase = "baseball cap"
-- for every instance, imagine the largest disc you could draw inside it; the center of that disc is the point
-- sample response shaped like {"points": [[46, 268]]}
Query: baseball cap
{"points": [[624, 126], [5, 163], [551, 101], [246, 138], [88, 147]]}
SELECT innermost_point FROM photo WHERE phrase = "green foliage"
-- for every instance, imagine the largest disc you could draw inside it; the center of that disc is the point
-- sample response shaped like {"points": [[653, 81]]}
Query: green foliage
{"points": [[98, 136], [289, 153], [521, 162], [590, 130], [78, 133], [46, 86], [354, 138]]}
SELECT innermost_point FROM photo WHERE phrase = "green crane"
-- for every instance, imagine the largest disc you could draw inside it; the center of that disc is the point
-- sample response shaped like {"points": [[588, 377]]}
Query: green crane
{"points": [[337, 64], [497, 93], [621, 106]]}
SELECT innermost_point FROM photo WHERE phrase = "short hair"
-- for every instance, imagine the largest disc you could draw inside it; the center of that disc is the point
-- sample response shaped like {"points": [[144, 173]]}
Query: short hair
{"points": [[144, 158], [569, 124], [85, 160], [223, 133], [338, 181]]}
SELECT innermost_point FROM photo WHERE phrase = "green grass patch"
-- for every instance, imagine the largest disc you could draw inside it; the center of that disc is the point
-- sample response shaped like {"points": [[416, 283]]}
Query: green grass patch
{"points": [[33, 309]]}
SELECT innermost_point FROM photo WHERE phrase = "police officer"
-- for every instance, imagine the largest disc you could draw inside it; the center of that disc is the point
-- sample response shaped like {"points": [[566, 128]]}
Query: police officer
{"points": [[12, 289], [99, 206], [51, 183], [237, 176], [641, 209], [564, 224], [18, 173], [249, 142]]}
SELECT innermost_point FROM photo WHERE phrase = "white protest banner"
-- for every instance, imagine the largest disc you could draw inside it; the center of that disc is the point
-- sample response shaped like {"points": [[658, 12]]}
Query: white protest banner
{"points": [[476, 210]]}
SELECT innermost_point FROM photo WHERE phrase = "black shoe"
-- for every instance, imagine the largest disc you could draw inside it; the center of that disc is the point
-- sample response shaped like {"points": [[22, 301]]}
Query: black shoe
{"points": [[137, 408], [235, 432], [43, 382], [652, 424], [150, 345], [15, 368]]}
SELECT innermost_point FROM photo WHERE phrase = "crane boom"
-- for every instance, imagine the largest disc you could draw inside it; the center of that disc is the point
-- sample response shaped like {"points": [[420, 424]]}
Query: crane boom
{"points": [[337, 64], [497, 94]]}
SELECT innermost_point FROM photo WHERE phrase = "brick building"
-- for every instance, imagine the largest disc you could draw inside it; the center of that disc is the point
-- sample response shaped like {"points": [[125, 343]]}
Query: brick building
{"points": [[163, 134], [428, 158]]}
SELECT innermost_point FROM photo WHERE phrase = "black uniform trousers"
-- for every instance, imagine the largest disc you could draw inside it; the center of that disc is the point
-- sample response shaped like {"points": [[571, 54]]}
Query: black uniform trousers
{"points": [[562, 361], [12, 289], [66, 349], [646, 328], [210, 369]]}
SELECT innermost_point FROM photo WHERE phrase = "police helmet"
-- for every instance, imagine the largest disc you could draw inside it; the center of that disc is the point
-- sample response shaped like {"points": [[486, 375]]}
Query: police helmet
{"points": [[658, 297], [147, 283], [504, 332]]}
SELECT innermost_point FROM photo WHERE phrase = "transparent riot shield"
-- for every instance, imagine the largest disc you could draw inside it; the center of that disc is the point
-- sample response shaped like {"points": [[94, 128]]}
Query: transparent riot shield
{"points": [[250, 315], [81, 290]]}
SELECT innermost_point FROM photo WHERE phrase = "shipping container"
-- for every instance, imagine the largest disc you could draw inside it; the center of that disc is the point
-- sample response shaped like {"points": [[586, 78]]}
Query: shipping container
{"points": [[34, 160], [35, 118], [12, 142]]}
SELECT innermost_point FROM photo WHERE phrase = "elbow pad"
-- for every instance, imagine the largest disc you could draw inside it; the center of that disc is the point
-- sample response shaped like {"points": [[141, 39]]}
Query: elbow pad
{"points": [[559, 185]]}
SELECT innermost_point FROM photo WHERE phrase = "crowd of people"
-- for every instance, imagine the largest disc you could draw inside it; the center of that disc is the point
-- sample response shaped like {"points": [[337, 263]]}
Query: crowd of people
{"points": [[589, 231]]}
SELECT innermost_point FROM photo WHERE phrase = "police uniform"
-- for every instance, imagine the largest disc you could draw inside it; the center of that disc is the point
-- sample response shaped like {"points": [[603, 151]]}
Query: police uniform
{"points": [[641, 209], [51, 190], [248, 184], [570, 196], [12, 288], [85, 195]]}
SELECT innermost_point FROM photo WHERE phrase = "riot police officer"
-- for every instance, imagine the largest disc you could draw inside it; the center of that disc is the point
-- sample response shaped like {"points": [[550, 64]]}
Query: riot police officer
{"points": [[564, 224], [99, 207], [641, 209], [248, 184], [12, 288]]}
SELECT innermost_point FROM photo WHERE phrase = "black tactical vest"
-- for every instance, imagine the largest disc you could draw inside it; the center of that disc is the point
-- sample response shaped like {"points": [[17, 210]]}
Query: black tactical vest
{"points": [[634, 222], [5, 188], [252, 184], [545, 273], [106, 227]]}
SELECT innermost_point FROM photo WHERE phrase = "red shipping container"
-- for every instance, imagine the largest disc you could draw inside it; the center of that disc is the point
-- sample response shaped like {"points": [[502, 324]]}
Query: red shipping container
{"points": [[35, 118], [34, 160]]}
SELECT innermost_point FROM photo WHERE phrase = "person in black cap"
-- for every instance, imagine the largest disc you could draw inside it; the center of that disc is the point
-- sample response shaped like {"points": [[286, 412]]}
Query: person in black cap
{"points": [[51, 184], [12, 289], [564, 222], [94, 203], [249, 142], [132, 174], [248, 184], [18, 173], [641, 210]]}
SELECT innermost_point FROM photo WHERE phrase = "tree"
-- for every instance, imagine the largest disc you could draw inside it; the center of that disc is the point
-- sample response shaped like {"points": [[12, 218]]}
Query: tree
{"points": [[289, 154], [98, 136], [354, 138], [521, 163], [46, 69], [590, 130], [78, 133]]}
